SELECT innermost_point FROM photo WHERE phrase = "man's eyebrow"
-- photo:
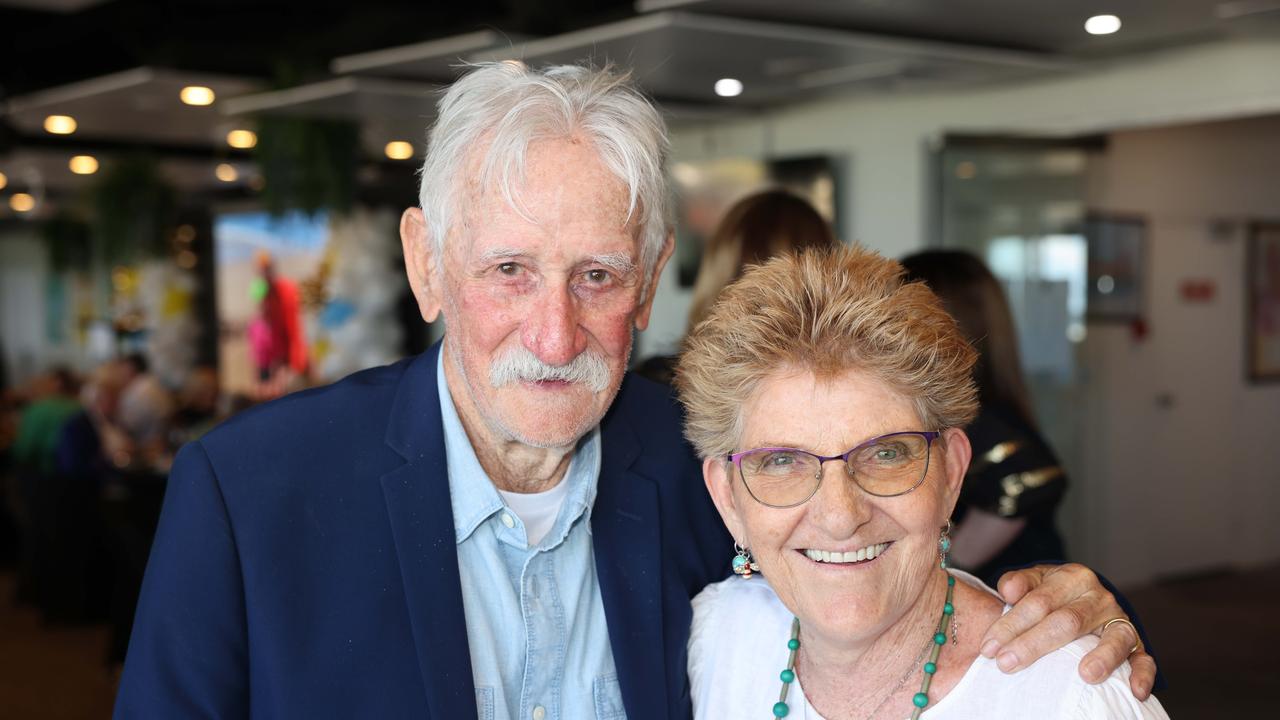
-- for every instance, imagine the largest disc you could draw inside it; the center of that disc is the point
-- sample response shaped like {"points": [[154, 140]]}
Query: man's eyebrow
{"points": [[619, 262], [500, 253]]}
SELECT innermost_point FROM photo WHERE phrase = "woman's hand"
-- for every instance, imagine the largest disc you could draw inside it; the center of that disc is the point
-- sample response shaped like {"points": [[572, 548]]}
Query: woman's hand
{"points": [[1052, 606]]}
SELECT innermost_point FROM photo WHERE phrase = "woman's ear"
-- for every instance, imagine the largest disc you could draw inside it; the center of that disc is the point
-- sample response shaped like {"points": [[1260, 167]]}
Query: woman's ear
{"points": [[957, 452], [719, 480]]}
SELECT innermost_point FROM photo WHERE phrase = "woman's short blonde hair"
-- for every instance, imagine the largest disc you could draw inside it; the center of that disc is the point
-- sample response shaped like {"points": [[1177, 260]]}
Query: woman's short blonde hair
{"points": [[828, 312]]}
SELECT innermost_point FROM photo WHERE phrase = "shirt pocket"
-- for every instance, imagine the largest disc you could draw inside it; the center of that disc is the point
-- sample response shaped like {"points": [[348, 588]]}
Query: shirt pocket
{"points": [[608, 696], [484, 703]]}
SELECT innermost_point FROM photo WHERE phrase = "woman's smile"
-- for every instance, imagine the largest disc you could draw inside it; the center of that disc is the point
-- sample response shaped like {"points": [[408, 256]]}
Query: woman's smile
{"points": [[861, 556]]}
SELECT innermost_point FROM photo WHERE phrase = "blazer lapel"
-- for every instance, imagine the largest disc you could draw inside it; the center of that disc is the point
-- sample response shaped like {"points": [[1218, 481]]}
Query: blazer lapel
{"points": [[417, 496], [627, 543]]}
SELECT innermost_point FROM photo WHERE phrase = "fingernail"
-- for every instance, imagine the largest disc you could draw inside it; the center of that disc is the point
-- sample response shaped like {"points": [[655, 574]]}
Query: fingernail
{"points": [[1093, 672], [990, 648], [1007, 661]]}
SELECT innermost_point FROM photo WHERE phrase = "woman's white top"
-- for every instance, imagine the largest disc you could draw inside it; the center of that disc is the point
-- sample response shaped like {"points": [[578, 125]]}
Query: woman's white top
{"points": [[738, 647]]}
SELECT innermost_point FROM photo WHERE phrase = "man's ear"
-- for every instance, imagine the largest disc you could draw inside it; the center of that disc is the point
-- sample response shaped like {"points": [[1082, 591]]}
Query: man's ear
{"points": [[421, 263], [646, 303], [715, 472], [958, 452]]}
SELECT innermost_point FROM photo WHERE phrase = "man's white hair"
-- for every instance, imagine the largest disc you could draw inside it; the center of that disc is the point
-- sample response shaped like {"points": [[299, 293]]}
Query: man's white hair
{"points": [[505, 106]]}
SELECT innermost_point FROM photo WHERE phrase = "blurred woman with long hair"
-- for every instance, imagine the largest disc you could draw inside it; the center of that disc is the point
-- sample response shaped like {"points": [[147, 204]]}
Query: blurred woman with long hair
{"points": [[754, 229], [1005, 516]]}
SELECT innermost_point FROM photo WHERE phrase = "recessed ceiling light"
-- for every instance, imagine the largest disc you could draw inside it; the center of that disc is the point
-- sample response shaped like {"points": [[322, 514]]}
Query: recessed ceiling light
{"points": [[4, 181], [728, 87], [22, 202], [243, 139], [84, 164], [226, 172], [1102, 24], [60, 124], [399, 150], [196, 95]]}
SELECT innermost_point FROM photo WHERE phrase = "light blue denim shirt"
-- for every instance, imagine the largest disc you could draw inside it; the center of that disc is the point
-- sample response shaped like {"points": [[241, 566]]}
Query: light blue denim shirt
{"points": [[535, 621]]}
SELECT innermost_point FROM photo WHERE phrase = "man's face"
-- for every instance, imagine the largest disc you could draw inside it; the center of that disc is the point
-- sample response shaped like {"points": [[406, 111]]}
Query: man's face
{"points": [[539, 302]]}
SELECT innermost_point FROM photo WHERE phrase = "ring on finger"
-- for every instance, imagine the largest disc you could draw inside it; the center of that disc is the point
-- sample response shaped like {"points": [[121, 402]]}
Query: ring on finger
{"points": [[1137, 645]]}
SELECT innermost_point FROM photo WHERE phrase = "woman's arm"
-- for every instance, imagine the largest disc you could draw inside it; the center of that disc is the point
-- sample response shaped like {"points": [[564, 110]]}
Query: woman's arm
{"points": [[981, 536]]}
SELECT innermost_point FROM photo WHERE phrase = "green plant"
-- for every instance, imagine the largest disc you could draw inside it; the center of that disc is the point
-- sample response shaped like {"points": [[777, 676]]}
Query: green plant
{"points": [[307, 164], [133, 209], [67, 239]]}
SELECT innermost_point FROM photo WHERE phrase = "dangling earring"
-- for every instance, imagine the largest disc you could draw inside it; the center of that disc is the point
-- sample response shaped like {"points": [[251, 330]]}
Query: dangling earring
{"points": [[944, 545], [743, 564]]}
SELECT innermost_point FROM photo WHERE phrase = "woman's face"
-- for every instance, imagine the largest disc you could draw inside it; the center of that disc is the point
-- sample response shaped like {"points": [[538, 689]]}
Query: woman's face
{"points": [[842, 600]]}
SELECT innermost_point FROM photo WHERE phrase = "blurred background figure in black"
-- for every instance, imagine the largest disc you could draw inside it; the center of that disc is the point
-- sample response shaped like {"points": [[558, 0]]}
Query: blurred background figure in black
{"points": [[1005, 515]]}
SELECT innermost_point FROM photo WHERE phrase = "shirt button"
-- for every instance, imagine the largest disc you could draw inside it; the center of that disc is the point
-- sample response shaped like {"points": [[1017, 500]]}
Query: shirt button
{"points": [[508, 520], [539, 712]]}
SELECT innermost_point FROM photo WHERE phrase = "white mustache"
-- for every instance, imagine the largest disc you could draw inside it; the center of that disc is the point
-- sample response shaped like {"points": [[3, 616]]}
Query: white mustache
{"points": [[521, 365]]}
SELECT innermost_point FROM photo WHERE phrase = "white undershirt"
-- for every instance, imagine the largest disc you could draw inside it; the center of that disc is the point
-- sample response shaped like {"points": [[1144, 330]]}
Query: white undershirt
{"points": [[538, 511]]}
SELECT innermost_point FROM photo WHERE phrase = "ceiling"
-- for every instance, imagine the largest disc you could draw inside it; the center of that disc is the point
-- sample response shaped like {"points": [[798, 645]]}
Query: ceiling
{"points": [[1049, 26], [117, 65]]}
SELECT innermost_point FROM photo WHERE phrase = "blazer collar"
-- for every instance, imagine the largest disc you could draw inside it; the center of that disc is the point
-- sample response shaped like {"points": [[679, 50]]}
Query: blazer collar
{"points": [[627, 543], [628, 547], [417, 496]]}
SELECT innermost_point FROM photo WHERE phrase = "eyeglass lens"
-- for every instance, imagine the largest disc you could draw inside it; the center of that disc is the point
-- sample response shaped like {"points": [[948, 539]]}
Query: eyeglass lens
{"points": [[885, 466]]}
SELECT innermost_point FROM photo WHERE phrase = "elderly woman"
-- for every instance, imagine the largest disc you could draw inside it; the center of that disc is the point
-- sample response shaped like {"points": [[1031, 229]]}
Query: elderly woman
{"points": [[826, 397]]}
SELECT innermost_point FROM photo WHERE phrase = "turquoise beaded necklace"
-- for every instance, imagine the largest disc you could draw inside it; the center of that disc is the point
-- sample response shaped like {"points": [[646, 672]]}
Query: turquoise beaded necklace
{"points": [[920, 700]]}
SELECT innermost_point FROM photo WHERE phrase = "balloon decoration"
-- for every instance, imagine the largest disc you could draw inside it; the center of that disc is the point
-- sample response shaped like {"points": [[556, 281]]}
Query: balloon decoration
{"points": [[355, 291], [165, 294]]}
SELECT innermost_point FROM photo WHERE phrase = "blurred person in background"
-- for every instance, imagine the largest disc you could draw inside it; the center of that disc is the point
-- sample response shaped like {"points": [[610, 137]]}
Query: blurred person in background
{"points": [[50, 401], [276, 339], [76, 567], [198, 406], [1005, 515], [145, 413], [92, 441], [753, 230]]}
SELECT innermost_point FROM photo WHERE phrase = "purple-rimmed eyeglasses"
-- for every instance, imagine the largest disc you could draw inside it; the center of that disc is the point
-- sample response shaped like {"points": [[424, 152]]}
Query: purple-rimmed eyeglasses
{"points": [[884, 466]]}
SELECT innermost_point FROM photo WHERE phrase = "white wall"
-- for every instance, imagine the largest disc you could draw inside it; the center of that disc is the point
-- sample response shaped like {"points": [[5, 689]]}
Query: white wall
{"points": [[23, 271], [1185, 448], [1184, 511], [885, 138]]}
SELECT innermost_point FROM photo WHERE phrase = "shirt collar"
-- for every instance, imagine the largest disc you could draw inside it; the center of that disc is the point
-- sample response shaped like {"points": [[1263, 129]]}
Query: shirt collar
{"points": [[472, 494]]}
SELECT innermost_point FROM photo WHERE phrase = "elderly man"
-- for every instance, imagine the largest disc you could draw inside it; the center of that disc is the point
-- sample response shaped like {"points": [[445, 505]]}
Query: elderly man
{"points": [[503, 527]]}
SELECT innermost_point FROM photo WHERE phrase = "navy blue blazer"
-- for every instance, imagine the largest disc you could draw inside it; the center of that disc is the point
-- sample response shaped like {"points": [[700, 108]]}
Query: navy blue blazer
{"points": [[305, 563]]}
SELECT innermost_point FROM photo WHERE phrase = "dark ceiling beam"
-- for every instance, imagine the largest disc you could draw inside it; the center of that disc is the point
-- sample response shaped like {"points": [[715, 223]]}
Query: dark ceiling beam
{"points": [[77, 143], [178, 151]]}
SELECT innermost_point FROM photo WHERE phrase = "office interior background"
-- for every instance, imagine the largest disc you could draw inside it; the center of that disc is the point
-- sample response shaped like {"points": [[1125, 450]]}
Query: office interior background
{"points": [[1115, 162]]}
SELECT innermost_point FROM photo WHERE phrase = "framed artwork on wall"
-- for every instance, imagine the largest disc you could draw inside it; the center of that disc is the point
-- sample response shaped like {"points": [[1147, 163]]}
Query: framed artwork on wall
{"points": [[1116, 258], [1262, 285]]}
